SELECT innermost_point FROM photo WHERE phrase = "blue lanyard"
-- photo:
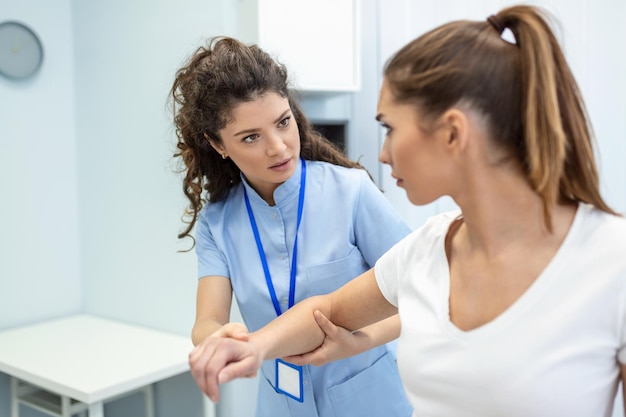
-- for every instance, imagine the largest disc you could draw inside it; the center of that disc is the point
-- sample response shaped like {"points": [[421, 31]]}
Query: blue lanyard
{"points": [[259, 245]]}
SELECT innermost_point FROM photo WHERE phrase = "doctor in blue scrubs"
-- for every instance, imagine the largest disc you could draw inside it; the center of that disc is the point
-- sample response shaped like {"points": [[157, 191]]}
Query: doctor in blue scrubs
{"points": [[278, 215]]}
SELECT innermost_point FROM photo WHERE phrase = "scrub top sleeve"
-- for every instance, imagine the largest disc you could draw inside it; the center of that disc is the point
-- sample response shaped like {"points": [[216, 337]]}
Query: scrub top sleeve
{"points": [[211, 260], [377, 225]]}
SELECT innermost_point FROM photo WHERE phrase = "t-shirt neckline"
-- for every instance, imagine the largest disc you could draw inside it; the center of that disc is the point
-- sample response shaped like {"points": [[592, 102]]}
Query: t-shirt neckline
{"points": [[524, 301]]}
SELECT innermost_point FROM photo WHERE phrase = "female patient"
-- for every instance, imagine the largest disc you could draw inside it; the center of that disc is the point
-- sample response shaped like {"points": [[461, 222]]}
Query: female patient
{"points": [[288, 216], [516, 304]]}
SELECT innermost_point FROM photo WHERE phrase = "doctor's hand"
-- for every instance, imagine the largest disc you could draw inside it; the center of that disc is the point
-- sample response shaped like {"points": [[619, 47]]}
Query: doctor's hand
{"points": [[339, 343], [233, 330], [217, 360]]}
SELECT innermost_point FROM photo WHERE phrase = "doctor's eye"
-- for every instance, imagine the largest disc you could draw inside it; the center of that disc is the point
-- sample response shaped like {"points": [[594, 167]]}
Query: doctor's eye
{"points": [[250, 138], [284, 122]]}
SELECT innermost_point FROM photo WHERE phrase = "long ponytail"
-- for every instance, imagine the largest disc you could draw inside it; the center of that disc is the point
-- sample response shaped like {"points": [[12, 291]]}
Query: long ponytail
{"points": [[558, 136]]}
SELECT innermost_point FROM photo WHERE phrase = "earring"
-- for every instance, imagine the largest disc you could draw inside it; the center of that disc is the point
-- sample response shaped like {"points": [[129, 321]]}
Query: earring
{"points": [[223, 156]]}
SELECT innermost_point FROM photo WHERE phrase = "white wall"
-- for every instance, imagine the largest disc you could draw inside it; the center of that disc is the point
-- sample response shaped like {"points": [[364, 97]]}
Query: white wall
{"points": [[39, 251], [130, 200], [90, 203]]}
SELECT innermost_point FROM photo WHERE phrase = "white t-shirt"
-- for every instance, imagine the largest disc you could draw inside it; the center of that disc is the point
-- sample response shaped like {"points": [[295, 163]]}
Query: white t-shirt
{"points": [[554, 352]]}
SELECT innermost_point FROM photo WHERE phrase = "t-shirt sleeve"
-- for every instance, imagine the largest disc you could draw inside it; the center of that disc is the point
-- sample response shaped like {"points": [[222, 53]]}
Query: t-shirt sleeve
{"points": [[396, 265], [377, 224], [211, 260], [387, 276]]}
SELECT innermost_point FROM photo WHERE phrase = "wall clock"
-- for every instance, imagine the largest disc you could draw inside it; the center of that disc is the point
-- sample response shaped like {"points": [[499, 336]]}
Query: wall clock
{"points": [[21, 52]]}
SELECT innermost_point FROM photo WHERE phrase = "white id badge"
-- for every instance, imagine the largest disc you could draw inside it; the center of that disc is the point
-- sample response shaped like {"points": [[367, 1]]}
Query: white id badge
{"points": [[289, 380]]}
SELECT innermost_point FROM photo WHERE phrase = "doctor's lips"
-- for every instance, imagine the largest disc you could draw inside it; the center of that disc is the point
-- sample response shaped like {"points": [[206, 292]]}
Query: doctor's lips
{"points": [[281, 163]]}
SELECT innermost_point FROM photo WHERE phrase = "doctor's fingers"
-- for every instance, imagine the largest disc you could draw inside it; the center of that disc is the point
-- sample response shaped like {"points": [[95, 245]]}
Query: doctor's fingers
{"points": [[333, 343], [327, 326], [233, 330], [311, 358]]}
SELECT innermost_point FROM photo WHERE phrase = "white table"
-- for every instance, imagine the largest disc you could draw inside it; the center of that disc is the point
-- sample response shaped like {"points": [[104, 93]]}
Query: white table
{"points": [[73, 365]]}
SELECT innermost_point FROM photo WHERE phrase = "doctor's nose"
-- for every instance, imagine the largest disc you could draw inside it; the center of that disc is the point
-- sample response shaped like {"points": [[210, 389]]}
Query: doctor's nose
{"points": [[275, 145]]}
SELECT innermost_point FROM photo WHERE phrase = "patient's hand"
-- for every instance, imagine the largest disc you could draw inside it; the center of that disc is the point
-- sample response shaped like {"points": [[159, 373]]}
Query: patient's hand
{"points": [[217, 360], [339, 343]]}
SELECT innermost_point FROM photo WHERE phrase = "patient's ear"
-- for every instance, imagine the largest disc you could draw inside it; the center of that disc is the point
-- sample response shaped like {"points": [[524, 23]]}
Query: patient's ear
{"points": [[455, 129]]}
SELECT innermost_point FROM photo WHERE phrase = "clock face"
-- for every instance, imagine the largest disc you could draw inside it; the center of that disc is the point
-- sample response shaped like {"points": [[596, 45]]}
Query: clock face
{"points": [[21, 53]]}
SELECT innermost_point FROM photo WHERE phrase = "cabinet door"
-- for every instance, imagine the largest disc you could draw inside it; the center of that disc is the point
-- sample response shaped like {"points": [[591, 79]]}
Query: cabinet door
{"points": [[318, 40]]}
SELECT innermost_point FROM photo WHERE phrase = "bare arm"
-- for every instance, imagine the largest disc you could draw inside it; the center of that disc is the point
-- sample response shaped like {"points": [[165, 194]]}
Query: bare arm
{"points": [[213, 301], [357, 304], [341, 343]]}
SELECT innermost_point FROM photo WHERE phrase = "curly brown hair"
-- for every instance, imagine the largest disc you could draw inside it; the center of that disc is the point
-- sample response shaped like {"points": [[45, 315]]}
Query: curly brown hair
{"points": [[215, 79]]}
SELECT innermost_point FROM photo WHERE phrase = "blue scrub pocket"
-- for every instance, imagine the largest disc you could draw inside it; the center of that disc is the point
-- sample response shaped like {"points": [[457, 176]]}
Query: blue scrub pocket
{"points": [[327, 277], [375, 391]]}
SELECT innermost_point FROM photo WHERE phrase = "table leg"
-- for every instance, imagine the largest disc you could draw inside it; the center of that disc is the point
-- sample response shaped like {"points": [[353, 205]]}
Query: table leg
{"points": [[96, 409], [208, 407], [148, 395], [65, 406], [14, 403]]}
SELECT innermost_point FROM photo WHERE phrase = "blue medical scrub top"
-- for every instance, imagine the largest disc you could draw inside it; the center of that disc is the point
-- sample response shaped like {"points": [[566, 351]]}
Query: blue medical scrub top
{"points": [[347, 224]]}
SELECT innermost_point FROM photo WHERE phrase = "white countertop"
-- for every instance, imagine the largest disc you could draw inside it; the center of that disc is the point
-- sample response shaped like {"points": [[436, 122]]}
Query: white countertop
{"points": [[91, 359]]}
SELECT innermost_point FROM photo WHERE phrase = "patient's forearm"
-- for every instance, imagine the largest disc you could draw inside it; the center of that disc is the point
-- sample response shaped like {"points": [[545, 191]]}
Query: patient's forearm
{"points": [[378, 333], [357, 304], [294, 331]]}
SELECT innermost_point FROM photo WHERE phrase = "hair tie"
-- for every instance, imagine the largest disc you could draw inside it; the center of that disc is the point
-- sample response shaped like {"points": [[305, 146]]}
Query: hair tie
{"points": [[497, 24]]}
